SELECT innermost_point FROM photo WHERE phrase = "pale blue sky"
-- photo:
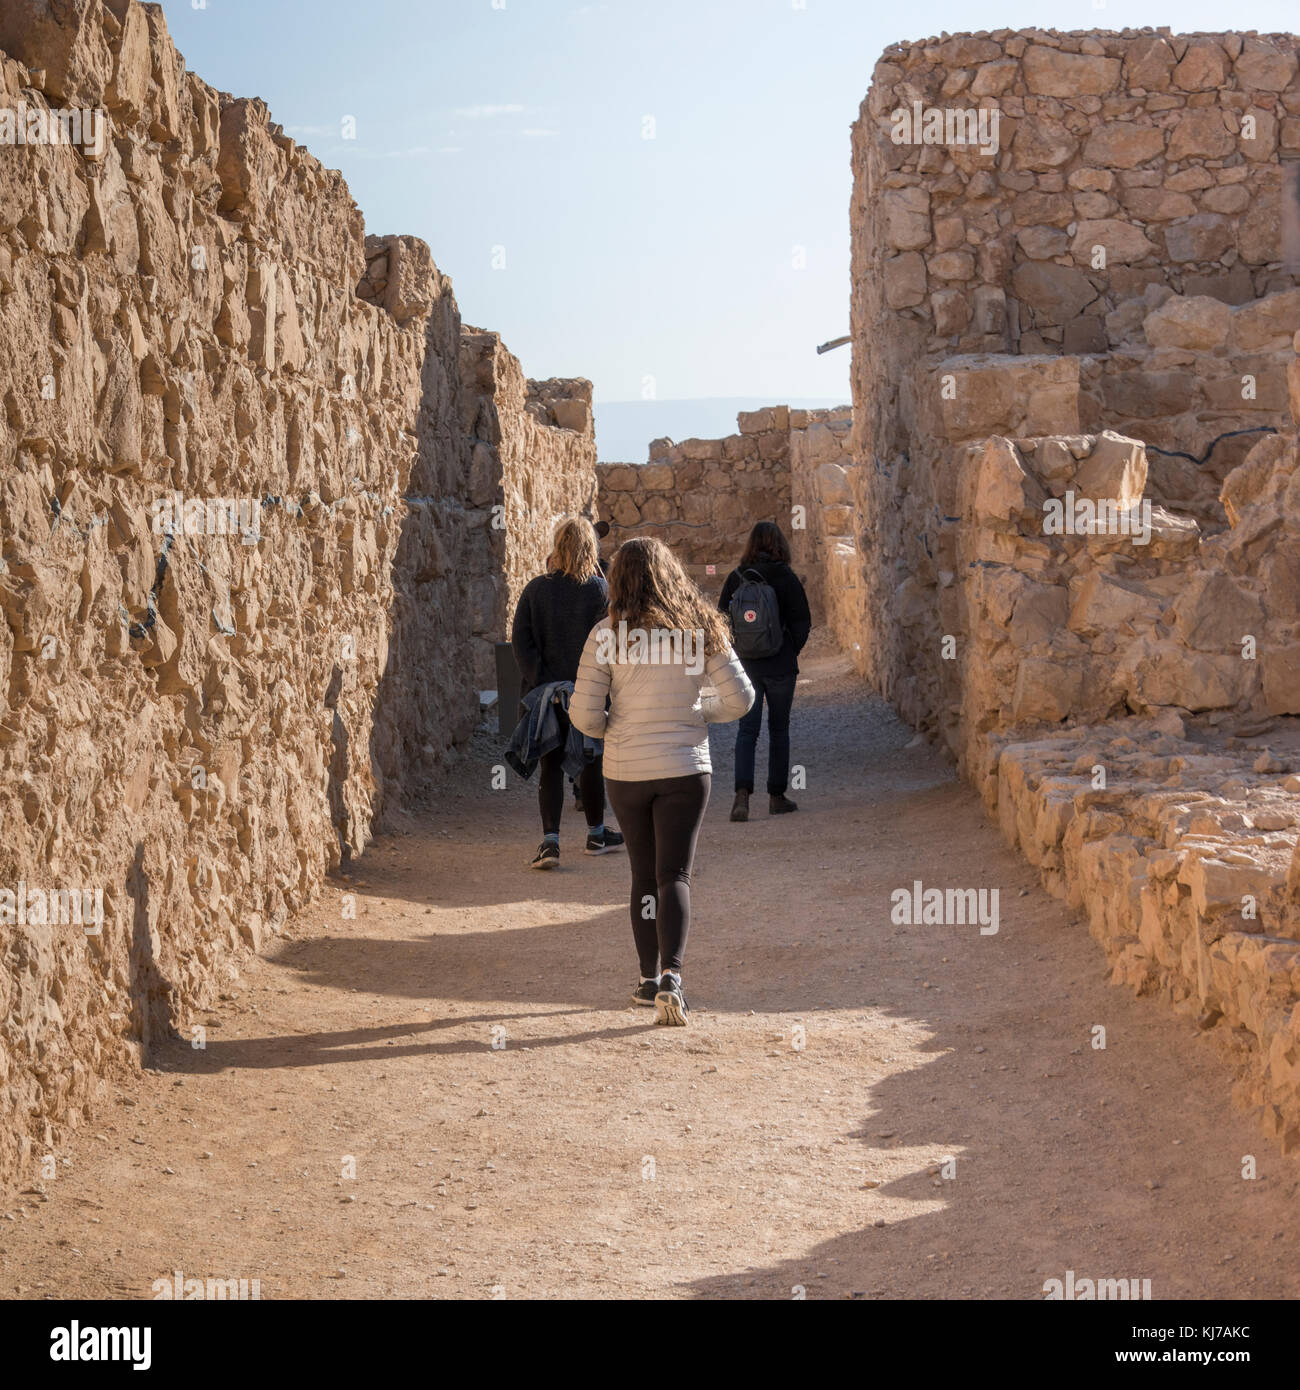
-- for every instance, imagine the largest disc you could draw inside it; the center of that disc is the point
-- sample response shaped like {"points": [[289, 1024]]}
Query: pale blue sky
{"points": [[519, 124]]}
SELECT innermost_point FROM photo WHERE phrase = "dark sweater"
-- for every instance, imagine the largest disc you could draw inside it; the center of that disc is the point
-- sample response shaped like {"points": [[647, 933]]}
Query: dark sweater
{"points": [[795, 617], [554, 616]]}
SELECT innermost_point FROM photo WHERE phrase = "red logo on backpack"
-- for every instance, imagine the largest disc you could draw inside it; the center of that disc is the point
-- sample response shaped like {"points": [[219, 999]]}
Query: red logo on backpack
{"points": [[750, 615]]}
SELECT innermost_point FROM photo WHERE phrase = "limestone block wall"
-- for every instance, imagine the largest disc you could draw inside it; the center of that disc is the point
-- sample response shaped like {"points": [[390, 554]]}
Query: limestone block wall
{"points": [[1093, 626], [701, 497], [1109, 257], [919, 543], [240, 540], [936, 550], [1196, 379], [1123, 181], [909, 520], [1106, 164], [533, 461]]}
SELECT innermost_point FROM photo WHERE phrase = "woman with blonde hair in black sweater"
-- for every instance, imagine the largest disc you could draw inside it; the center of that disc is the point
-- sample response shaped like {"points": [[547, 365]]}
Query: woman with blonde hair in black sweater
{"points": [[555, 613]]}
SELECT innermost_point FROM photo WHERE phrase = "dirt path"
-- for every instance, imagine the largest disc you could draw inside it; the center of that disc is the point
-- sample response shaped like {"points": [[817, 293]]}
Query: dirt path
{"points": [[594, 1155]]}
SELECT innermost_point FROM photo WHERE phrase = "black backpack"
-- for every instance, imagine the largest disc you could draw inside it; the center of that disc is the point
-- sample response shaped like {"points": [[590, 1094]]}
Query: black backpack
{"points": [[755, 616]]}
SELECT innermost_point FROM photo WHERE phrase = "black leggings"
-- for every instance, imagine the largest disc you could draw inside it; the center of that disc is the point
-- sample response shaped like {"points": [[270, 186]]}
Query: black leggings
{"points": [[550, 786], [660, 821]]}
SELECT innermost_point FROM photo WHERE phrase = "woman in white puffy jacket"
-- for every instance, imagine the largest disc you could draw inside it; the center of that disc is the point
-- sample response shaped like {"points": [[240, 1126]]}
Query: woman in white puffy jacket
{"points": [[662, 659]]}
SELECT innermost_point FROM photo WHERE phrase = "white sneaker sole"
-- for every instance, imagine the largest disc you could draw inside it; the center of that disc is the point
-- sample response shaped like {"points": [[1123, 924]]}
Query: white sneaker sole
{"points": [[668, 1010]]}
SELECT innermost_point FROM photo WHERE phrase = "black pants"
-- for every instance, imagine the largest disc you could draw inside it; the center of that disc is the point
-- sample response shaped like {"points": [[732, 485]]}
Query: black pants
{"points": [[660, 821], [550, 786], [779, 693]]}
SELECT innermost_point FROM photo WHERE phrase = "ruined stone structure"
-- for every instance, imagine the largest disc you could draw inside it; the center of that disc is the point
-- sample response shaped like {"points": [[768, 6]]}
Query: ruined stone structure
{"points": [[250, 471], [1094, 309], [265, 504], [702, 496]]}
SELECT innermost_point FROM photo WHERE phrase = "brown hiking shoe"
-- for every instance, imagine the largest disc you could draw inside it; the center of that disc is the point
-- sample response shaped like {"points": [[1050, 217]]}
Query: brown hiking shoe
{"points": [[780, 805], [740, 806]]}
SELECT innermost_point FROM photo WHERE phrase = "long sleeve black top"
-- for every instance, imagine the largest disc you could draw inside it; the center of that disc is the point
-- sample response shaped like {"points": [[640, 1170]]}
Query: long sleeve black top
{"points": [[554, 616]]}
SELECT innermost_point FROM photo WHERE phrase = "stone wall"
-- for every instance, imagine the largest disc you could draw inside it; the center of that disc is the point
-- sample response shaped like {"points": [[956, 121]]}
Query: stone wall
{"points": [[1125, 168], [1113, 261], [242, 543], [824, 525], [1085, 627], [917, 541], [533, 462], [426, 703], [1097, 312], [1196, 379], [702, 497], [1118, 162]]}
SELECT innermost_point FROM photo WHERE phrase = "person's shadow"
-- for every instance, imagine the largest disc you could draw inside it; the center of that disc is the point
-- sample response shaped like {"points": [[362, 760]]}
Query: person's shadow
{"points": [[373, 1044]]}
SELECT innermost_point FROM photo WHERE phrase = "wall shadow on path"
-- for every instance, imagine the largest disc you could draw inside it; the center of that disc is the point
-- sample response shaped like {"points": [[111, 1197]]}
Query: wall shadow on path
{"points": [[1123, 1163]]}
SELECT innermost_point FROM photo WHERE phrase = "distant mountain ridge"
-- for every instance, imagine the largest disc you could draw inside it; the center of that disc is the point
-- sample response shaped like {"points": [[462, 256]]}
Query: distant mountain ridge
{"points": [[624, 429]]}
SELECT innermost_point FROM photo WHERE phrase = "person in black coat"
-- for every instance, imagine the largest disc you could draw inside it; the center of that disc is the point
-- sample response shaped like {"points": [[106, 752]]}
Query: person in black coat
{"points": [[555, 613], [767, 555]]}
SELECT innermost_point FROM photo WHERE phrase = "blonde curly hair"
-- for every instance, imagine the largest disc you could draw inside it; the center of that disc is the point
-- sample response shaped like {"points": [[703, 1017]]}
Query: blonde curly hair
{"points": [[574, 550]]}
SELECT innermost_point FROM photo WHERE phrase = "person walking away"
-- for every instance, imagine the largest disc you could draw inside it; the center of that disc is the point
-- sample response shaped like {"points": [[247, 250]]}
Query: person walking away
{"points": [[555, 613], [662, 660], [770, 623]]}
